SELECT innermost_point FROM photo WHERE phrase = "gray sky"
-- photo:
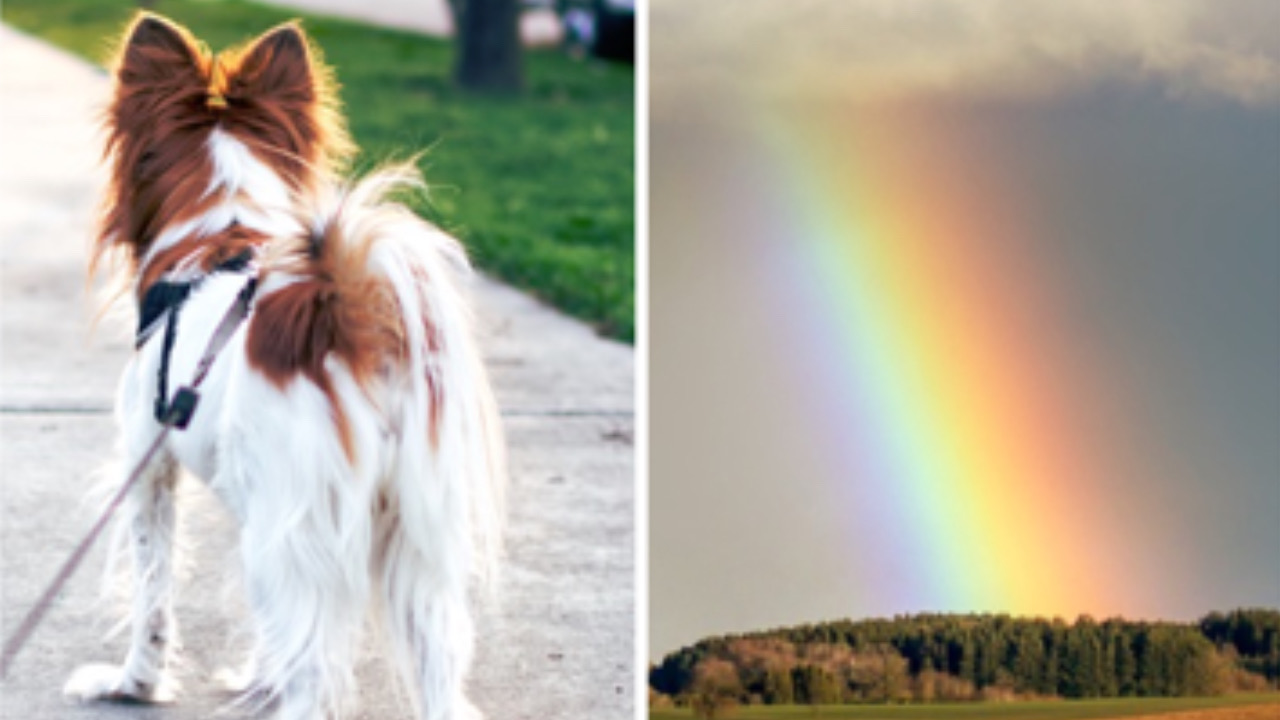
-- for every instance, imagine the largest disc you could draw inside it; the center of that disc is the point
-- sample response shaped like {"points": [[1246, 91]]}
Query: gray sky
{"points": [[1145, 139]]}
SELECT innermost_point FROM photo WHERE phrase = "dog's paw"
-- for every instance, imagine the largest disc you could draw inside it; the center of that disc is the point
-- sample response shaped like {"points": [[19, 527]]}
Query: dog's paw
{"points": [[110, 683]]}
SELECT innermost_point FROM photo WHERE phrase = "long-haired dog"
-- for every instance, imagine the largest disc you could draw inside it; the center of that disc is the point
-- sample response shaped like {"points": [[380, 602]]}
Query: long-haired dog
{"points": [[348, 425]]}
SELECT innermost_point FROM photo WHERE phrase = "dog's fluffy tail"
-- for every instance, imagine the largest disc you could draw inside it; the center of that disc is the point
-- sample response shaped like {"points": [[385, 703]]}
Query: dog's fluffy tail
{"points": [[384, 292], [369, 305]]}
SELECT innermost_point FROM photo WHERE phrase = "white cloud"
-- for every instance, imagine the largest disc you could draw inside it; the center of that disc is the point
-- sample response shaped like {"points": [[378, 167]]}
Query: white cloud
{"points": [[871, 49]]}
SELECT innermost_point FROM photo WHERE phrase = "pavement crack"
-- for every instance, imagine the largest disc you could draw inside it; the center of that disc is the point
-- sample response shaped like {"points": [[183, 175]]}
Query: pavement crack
{"points": [[96, 409], [569, 412], [69, 409]]}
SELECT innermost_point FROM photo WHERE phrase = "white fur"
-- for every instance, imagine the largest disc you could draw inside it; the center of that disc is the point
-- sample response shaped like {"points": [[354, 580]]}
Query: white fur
{"points": [[251, 194], [403, 526]]}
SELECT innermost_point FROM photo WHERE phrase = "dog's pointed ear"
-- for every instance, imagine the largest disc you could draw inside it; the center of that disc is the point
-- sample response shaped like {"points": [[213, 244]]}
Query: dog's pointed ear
{"points": [[277, 65], [157, 51]]}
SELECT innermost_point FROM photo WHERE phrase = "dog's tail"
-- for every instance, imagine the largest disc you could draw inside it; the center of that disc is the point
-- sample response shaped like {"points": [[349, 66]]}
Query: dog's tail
{"points": [[383, 291]]}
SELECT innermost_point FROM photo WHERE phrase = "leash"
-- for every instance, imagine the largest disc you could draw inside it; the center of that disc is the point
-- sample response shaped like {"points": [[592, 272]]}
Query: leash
{"points": [[177, 415]]}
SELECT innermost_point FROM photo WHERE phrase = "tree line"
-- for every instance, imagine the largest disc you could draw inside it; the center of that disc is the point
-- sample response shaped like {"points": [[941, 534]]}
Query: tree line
{"points": [[940, 657]]}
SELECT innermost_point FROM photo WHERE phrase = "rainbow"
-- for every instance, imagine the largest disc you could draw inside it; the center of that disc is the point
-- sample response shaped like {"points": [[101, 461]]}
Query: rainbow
{"points": [[933, 350]]}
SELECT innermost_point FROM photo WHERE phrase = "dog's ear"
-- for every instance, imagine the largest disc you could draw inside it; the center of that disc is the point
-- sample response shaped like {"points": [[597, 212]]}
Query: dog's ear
{"points": [[158, 52], [276, 66], [281, 97]]}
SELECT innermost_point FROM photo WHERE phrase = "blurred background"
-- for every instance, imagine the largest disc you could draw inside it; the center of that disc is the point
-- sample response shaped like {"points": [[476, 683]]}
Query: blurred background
{"points": [[526, 113]]}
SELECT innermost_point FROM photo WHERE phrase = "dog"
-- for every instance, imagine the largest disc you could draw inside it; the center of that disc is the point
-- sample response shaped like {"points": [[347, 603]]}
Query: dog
{"points": [[348, 424]]}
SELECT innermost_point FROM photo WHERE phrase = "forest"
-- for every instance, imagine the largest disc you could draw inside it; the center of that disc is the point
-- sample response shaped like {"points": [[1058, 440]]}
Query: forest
{"points": [[945, 657]]}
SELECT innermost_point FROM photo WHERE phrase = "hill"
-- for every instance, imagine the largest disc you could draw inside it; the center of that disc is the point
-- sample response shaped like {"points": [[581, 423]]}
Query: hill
{"points": [[942, 657]]}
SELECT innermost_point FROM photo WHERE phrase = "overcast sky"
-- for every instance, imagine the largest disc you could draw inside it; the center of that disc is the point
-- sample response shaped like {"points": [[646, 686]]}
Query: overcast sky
{"points": [[1147, 134], [870, 49]]}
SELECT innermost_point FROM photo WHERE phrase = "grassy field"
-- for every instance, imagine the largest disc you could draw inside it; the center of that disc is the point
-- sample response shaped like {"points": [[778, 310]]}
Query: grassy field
{"points": [[1057, 710], [539, 187]]}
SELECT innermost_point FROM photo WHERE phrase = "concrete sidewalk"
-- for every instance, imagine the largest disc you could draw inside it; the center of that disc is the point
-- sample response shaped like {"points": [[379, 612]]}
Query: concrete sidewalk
{"points": [[558, 640]]}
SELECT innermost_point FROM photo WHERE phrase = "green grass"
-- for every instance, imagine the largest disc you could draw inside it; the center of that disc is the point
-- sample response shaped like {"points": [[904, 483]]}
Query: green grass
{"points": [[1057, 710], [539, 187]]}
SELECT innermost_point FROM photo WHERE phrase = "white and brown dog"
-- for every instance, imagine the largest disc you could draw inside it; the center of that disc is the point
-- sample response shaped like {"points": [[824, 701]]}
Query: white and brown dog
{"points": [[348, 425]]}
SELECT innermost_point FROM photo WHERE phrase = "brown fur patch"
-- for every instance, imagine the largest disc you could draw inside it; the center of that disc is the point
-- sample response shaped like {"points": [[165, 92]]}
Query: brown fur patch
{"points": [[205, 253], [157, 129], [340, 308], [435, 387]]}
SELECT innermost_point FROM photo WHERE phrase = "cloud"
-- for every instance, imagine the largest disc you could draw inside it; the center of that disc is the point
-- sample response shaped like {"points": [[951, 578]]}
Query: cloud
{"points": [[1010, 49]]}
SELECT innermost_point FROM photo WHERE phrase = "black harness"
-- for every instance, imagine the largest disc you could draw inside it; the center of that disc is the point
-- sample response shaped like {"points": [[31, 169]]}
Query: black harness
{"points": [[164, 300]]}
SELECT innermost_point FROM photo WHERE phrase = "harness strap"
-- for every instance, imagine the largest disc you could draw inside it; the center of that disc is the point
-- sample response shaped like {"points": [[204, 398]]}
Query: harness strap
{"points": [[159, 300], [178, 412], [165, 299], [166, 351], [166, 295]]}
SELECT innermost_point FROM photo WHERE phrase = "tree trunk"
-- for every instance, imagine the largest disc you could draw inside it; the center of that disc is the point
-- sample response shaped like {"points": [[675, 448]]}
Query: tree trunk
{"points": [[455, 7], [489, 56]]}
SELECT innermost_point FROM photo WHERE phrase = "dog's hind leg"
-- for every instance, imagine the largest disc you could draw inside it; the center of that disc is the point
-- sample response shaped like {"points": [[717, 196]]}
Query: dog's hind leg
{"points": [[149, 516], [305, 548], [304, 644], [428, 621]]}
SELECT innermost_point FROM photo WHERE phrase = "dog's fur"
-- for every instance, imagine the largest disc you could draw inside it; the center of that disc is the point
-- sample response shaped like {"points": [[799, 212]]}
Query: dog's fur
{"points": [[348, 425]]}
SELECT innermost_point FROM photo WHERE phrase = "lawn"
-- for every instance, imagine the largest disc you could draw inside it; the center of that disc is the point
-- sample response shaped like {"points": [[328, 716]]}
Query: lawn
{"points": [[1057, 710], [539, 187]]}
